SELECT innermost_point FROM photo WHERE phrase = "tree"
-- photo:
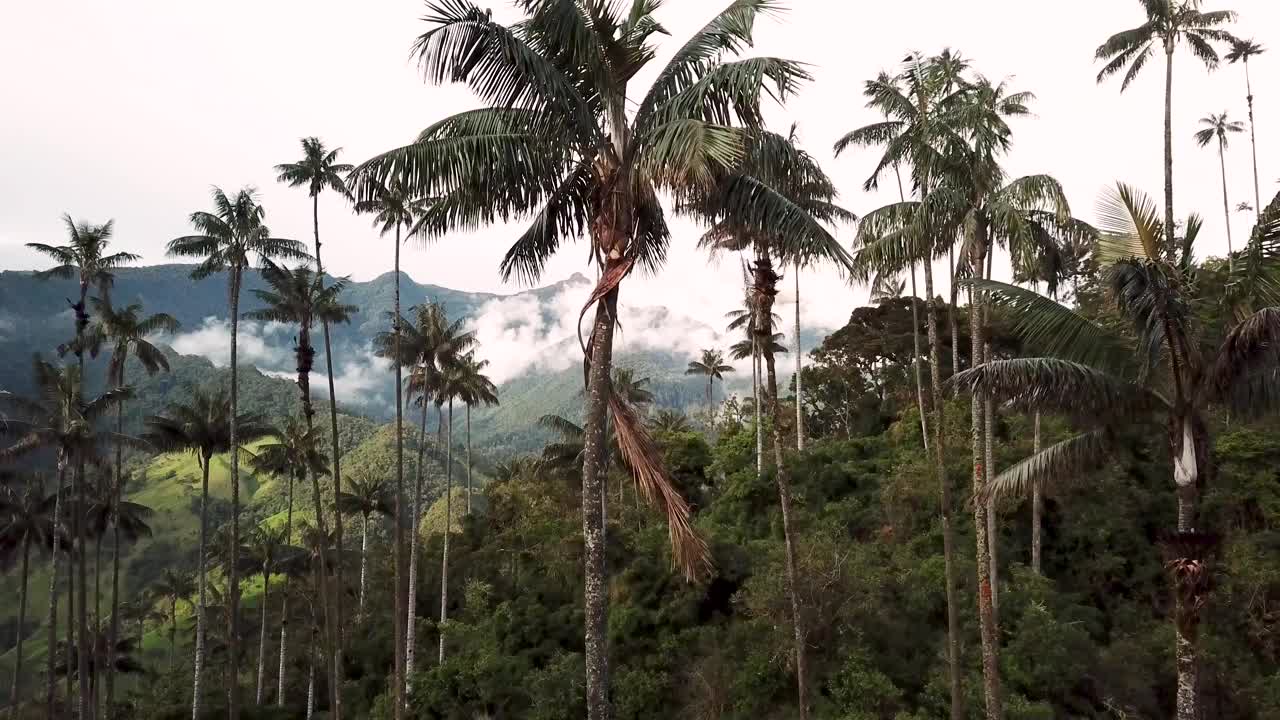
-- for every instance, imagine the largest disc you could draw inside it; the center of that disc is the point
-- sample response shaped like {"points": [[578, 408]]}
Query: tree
{"points": [[60, 418], [1167, 23], [556, 141], [172, 588], [452, 380], [1218, 127], [745, 320], [1241, 51], [475, 389], [126, 332], [367, 496], [203, 426], [712, 367], [395, 211], [267, 551], [292, 452], [29, 522], [319, 170], [86, 259], [299, 297], [226, 239], [1167, 377]]}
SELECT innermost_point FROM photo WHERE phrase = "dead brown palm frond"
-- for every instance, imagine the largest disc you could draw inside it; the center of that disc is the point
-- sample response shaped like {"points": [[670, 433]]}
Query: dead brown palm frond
{"points": [[639, 452]]}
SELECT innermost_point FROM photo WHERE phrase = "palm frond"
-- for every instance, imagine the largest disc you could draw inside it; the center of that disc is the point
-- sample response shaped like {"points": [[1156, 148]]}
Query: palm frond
{"points": [[1069, 460]]}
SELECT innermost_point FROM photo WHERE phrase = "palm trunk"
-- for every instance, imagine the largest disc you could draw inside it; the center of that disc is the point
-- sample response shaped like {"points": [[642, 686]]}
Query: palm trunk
{"points": [[595, 591], [22, 624], [1186, 653], [986, 615], [311, 676], [233, 601], [944, 485], [755, 395], [988, 443], [284, 597], [262, 638], [82, 610], [1168, 147], [951, 312], [1226, 206], [201, 582], [469, 460], [448, 518], [1037, 504], [400, 603], [333, 653], [765, 290], [71, 615], [173, 629], [1253, 141], [51, 679], [915, 334], [117, 495], [364, 555], [336, 456], [799, 367], [411, 630]]}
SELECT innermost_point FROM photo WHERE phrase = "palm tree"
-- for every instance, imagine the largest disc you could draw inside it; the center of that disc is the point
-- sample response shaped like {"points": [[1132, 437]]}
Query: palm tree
{"points": [[748, 347], [916, 133], [452, 382], [1241, 51], [1167, 377], [226, 239], [172, 587], [1167, 23], [29, 521], [266, 551], [85, 259], [395, 211], [126, 331], [319, 170], [61, 419], [119, 657], [1217, 127], [712, 367], [367, 496], [203, 426], [669, 421], [776, 205], [557, 142], [476, 389], [292, 452], [298, 296]]}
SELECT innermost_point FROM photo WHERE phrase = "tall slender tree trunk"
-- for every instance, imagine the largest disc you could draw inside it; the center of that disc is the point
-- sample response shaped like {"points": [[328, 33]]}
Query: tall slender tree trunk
{"points": [[988, 445], [596, 597], [233, 654], [262, 637], [1186, 635], [986, 614], [117, 495], [71, 648], [469, 461], [82, 610], [336, 457], [1253, 140], [22, 626], [52, 641], [311, 675], [364, 556], [201, 583], [400, 602], [765, 290], [799, 367], [1037, 504], [448, 520], [284, 596], [951, 312], [944, 485], [1168, 147], [915, 335], [1226, 206], [411, 629], [755, 395]]}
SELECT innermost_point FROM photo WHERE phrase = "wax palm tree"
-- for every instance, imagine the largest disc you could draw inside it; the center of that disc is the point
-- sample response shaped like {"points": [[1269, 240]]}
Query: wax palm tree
{"points": [[669, 421], [299, 297], [172, 587], [126, 331], [28, 523], [556, 141], [452, 383], [293, 452], [203, 426], [917, 132], [1168, 22], [227, 239], [749, 347], [1219, 127], [119, 657], [1167, 377], [630, 387], [85, 258], [395, 211], [367, 497], [1241, 51], [265, 552], [475, 389], [63, 420], [319, 170], [711, 366]]}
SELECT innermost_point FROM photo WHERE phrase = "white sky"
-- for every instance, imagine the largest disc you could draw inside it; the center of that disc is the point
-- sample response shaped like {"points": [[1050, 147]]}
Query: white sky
{"points": [[132, 109]]}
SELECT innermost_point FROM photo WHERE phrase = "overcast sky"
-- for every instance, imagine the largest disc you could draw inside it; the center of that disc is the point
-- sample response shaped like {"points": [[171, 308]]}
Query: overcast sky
{"points": [[132, 110]]}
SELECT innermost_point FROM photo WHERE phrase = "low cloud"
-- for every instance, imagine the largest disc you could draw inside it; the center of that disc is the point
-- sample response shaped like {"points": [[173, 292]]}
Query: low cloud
{"points": [[267, 346]]}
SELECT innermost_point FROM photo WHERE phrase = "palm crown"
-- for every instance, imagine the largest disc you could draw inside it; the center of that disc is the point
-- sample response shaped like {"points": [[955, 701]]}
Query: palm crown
{"points": [[1217, 126], [85, 257], [202, 425], [710, 365], [318, 170], [231, 234], [1168, 21], [126, 332]]}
